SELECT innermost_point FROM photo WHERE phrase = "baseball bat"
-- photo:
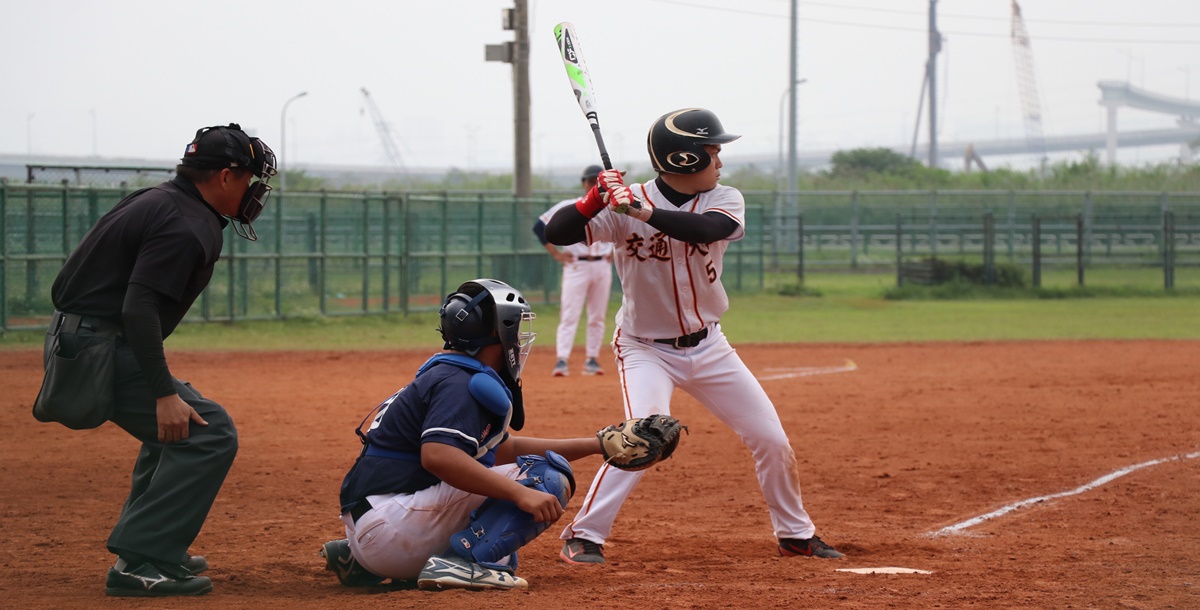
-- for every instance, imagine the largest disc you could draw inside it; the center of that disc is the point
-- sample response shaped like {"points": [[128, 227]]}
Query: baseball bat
{"points": [[581, 84]]}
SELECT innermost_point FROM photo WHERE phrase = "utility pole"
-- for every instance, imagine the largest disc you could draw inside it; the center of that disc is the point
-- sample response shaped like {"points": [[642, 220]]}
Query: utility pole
{"points": [[517, 54], [792, 84], [935, 46]]}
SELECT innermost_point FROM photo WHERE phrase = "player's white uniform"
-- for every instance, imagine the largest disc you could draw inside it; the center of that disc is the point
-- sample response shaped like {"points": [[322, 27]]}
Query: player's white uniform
{"points": [[587, 281], [672, 289]]}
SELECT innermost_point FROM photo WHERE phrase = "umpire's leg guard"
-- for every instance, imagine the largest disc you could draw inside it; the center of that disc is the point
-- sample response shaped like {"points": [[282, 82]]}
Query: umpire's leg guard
{"points": [[498, 528]]}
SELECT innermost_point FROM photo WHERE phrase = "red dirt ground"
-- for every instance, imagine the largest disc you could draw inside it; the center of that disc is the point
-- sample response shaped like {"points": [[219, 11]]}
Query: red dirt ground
{"points": [[917, 438]]}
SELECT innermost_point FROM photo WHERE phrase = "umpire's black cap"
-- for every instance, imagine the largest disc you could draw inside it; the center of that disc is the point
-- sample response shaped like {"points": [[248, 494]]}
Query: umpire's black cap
{"points": [[590, 172], [228, 146]]}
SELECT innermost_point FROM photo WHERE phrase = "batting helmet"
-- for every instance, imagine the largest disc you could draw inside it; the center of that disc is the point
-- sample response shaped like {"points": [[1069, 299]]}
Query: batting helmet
{"points": [[677, 140], [483, 312]]}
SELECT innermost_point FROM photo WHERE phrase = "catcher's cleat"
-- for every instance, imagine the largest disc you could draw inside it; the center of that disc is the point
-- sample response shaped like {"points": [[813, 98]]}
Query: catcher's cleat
{"points": [[591, 367], [560, 368], [342, 563], [195, 564], [150, 580], [579, 551], [450, 571], [810, 547]]}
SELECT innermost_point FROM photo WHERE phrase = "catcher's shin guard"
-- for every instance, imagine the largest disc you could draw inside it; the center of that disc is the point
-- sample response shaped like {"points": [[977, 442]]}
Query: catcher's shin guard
{"points": [[498, 528]]}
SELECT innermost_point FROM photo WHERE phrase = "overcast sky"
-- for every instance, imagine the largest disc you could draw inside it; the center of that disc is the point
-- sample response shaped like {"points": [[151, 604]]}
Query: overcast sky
{"points": [[136, 78]]}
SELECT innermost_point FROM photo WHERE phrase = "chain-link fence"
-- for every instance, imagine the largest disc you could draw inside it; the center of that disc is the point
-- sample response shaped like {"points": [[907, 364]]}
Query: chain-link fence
{"points": [[361, 253]]}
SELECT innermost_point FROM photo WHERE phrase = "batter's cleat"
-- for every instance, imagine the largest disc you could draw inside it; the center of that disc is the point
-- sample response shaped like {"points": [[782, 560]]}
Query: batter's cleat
{"points": [[150, 580], [809, 547], [591, 367], [195, 564], [579, 551], [450, 571], [560, 368], [342, 563]]}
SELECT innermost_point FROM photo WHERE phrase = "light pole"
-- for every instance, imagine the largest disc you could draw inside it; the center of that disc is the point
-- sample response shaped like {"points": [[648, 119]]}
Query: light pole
{"points": [[283, 138], [93, 113], [791, 169], [782, 98]]}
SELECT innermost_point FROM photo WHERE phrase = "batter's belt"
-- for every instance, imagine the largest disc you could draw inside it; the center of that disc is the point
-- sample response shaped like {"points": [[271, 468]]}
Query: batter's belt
{"points": [[691, 340]]}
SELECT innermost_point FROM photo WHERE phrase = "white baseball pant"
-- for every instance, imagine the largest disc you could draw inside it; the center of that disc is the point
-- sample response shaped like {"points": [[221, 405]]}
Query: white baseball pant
{"points": [[402, 531], [713, 373], [584, 283]]}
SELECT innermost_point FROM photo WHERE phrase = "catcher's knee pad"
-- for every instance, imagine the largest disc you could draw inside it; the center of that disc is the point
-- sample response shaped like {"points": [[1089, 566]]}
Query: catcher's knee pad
{"points": [[498, 528]]}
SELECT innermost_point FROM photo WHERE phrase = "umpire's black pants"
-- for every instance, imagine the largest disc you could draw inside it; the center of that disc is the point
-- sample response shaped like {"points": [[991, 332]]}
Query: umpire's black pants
{"points": [[174, 484]]}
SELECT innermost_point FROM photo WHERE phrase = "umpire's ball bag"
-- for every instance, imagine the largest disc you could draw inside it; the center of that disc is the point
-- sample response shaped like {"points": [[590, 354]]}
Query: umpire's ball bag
{"points": [[77, 390]]}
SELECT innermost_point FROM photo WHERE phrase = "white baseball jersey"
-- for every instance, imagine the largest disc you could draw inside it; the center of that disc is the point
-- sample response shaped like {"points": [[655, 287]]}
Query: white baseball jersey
{"points": [[670, 288], [577, 249]]}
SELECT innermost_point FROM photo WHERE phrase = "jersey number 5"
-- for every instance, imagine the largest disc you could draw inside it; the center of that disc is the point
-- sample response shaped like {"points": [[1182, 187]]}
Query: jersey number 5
{"points": [[711, 271]]}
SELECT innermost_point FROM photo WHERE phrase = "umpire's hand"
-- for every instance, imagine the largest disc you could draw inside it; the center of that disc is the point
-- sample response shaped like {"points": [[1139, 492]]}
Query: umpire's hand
{"points": [[174, 415]]}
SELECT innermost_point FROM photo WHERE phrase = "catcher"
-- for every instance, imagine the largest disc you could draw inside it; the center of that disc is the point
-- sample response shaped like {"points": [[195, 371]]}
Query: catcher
{"points": [[441, 494]]}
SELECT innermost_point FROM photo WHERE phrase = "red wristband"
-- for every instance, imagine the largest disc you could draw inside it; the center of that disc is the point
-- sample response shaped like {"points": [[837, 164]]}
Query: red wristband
{"points": [[591, 204]]}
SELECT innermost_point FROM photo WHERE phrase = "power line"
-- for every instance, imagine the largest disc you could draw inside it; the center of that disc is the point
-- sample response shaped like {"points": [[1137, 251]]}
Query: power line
{"points": [[922, 30], [1003, 19]]}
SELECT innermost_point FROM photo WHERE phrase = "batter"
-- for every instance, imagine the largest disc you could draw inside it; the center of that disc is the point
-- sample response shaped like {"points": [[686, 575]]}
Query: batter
{"points": [[670, 237]]}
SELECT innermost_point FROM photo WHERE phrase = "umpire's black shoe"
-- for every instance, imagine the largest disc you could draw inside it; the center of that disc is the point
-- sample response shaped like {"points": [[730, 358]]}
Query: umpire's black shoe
{"points": [[195, 564], [149, 580]]}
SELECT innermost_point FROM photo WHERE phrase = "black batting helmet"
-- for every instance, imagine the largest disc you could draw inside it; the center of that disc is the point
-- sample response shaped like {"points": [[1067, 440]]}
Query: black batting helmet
{"points": [[677, 140]]}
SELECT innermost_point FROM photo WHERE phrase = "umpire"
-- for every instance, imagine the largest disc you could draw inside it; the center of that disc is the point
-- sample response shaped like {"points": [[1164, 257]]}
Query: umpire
{"points": [[122, 291]]}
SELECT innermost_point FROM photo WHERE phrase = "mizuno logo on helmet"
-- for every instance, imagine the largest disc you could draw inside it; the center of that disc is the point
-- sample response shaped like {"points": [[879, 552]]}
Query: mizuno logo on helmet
{"points": [[703, 131]]}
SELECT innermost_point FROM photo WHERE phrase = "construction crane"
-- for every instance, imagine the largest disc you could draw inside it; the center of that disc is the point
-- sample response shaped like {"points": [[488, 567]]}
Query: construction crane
{"points": [[1031, 106], [385, 133]]}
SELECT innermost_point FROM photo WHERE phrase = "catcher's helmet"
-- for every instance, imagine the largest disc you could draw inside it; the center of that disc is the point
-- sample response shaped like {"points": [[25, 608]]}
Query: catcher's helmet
{"points": [[482, 312], [677, 140]]}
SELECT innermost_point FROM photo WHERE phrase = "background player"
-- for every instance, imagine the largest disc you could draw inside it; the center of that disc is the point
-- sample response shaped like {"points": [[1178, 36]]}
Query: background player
{"points": [[586, 281], [439, 449], [669, 258]]}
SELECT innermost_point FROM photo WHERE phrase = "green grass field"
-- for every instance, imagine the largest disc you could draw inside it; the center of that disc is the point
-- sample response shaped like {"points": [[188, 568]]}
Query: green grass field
{"points": [[849, 308]]}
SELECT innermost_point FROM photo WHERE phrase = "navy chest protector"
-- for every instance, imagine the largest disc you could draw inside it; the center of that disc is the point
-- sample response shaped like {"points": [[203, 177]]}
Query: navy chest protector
{"points": [[485, 386]]}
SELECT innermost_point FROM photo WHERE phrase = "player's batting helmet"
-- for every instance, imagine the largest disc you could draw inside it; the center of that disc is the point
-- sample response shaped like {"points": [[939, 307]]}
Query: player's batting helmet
{"points": [[482, 312], [677, 140]]}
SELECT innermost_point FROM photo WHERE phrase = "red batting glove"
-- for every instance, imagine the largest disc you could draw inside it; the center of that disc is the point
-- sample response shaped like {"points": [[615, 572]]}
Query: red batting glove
{"points": [[609, 179], [620, 199]]}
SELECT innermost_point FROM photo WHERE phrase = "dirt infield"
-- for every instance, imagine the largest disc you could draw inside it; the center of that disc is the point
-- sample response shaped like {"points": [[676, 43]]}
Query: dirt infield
{"points": [[895, 442]]}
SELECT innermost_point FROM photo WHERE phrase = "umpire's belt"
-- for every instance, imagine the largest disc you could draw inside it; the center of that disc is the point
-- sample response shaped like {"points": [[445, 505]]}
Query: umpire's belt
{"points": [[70, 323], [589, 258], [691, 340]]}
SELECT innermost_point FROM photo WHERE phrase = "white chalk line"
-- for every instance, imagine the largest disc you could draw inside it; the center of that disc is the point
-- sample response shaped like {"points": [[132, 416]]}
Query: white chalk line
{"points": [[958, 527], [810, 371]]}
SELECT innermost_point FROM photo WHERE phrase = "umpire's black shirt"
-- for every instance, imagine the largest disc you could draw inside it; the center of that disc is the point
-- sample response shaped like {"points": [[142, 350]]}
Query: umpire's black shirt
{"points": [[163, 240]]}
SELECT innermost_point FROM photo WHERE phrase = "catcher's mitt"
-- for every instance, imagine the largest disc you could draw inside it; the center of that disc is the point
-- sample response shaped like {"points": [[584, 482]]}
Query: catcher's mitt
{"points": [[639, 443]]}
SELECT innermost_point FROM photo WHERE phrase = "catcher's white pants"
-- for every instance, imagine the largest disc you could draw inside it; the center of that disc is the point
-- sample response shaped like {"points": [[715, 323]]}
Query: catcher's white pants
{"points": [[713, 373], [396, 537], [584, 283]]}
